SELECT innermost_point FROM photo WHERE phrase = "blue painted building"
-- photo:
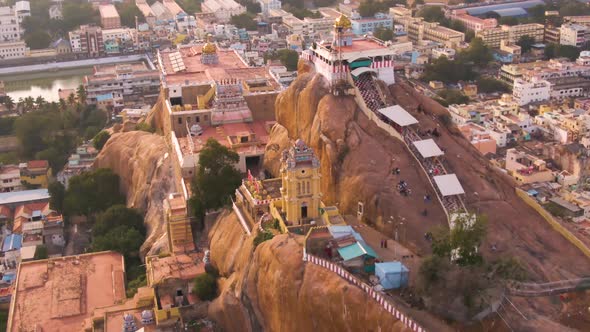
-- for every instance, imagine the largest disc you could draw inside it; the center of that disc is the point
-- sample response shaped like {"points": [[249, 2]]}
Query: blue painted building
{"points": [[365, 25]]}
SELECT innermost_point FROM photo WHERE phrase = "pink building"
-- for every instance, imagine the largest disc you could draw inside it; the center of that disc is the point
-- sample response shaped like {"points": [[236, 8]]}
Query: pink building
{"points": [[479, 138], [472, 22]]}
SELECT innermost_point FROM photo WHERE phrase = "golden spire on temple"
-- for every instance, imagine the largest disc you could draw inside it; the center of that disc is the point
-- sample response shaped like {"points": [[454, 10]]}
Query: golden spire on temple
{"points": [[342, 22], [209, 47]]}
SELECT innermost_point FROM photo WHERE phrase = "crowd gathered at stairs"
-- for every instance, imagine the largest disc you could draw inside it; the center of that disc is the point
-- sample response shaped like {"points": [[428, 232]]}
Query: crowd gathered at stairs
{"points": [[368, 89]]}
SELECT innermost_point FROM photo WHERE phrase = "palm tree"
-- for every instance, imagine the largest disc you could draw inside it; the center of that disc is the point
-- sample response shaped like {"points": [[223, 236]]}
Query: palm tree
{"points": [[9, 103], [71, 99], [29, 103], [40, 101], [62, 104], [81, 94], [20, 105]]}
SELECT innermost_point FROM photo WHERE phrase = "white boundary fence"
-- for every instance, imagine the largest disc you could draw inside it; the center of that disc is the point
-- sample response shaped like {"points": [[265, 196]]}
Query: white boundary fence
{"points": [[377, 296], [241, 218]]}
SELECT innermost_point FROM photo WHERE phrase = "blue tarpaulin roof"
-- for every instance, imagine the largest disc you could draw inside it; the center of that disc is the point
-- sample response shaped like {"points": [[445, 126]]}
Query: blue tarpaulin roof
{"points": [[480, 10], [12, 242], [358, 249], [392, 274], [9, 277], [511, 12]]}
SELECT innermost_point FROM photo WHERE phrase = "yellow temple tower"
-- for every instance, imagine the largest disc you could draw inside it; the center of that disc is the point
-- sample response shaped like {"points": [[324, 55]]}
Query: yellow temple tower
{"points": [[300, 191], [180, 236]]}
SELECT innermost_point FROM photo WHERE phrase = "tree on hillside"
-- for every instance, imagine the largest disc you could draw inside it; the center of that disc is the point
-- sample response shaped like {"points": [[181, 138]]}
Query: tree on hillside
{"points": [[489, 85], [447, 71], [477, 53], [7, 125], [57, 193], [128, 11], [216, 179], [525, 42], [78, 13], [244, 21], [205, 287], [384, 34], [38, 40], [92, 192], [122, 239], [557, 51], [289, 58], [101, 139], [432, 14], [453, 97], [81, 94], [118, 215], [463, 241], [9, 103]]}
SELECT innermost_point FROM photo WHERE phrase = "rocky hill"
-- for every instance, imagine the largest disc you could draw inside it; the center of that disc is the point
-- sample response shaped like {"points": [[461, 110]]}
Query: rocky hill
{"points": [[272, 289], [357, 157], [144, 165]]}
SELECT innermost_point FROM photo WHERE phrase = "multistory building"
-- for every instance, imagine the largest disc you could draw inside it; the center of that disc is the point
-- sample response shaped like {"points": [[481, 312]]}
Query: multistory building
{"points": [[13, 50], [493, 37], [109, 17], [535, 90], [474, 23], [121, 85], [87, 40], [267, 5], [573, 34]]}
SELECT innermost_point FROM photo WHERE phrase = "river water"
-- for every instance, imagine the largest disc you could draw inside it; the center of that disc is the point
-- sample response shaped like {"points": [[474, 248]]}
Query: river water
{"points": [[46, 84]]}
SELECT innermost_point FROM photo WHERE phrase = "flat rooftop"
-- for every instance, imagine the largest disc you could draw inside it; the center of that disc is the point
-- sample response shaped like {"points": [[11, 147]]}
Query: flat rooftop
{"points": [[180, 266], [220, 133], [24, 196], [59, 294], [359, 45], [196, 73], [108, 11]]}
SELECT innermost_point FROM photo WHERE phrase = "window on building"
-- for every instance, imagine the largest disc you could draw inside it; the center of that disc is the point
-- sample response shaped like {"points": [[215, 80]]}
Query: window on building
{"points": [[179, 120]]}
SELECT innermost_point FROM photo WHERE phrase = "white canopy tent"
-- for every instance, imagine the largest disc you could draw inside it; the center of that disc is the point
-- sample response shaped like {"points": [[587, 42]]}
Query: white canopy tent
{"points": [[428, 148], [360, 70], [398, 115], [449, 185]]}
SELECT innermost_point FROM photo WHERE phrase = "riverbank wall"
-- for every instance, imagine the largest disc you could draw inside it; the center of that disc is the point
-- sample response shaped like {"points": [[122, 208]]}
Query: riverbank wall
{"points": [[56, 66]]}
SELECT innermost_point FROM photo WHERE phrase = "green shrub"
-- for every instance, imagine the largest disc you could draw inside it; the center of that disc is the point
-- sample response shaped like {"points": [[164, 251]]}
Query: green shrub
{"points": [[261, 237], [205, 287], [144, 126]]}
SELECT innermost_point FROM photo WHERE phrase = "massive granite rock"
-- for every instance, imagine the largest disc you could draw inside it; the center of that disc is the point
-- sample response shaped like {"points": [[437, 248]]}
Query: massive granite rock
{"points": [[272, 289], [144, 166]]}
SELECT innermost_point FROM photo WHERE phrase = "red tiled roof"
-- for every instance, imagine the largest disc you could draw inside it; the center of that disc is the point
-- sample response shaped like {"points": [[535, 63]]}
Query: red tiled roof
{"points": [[37, 164]]}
